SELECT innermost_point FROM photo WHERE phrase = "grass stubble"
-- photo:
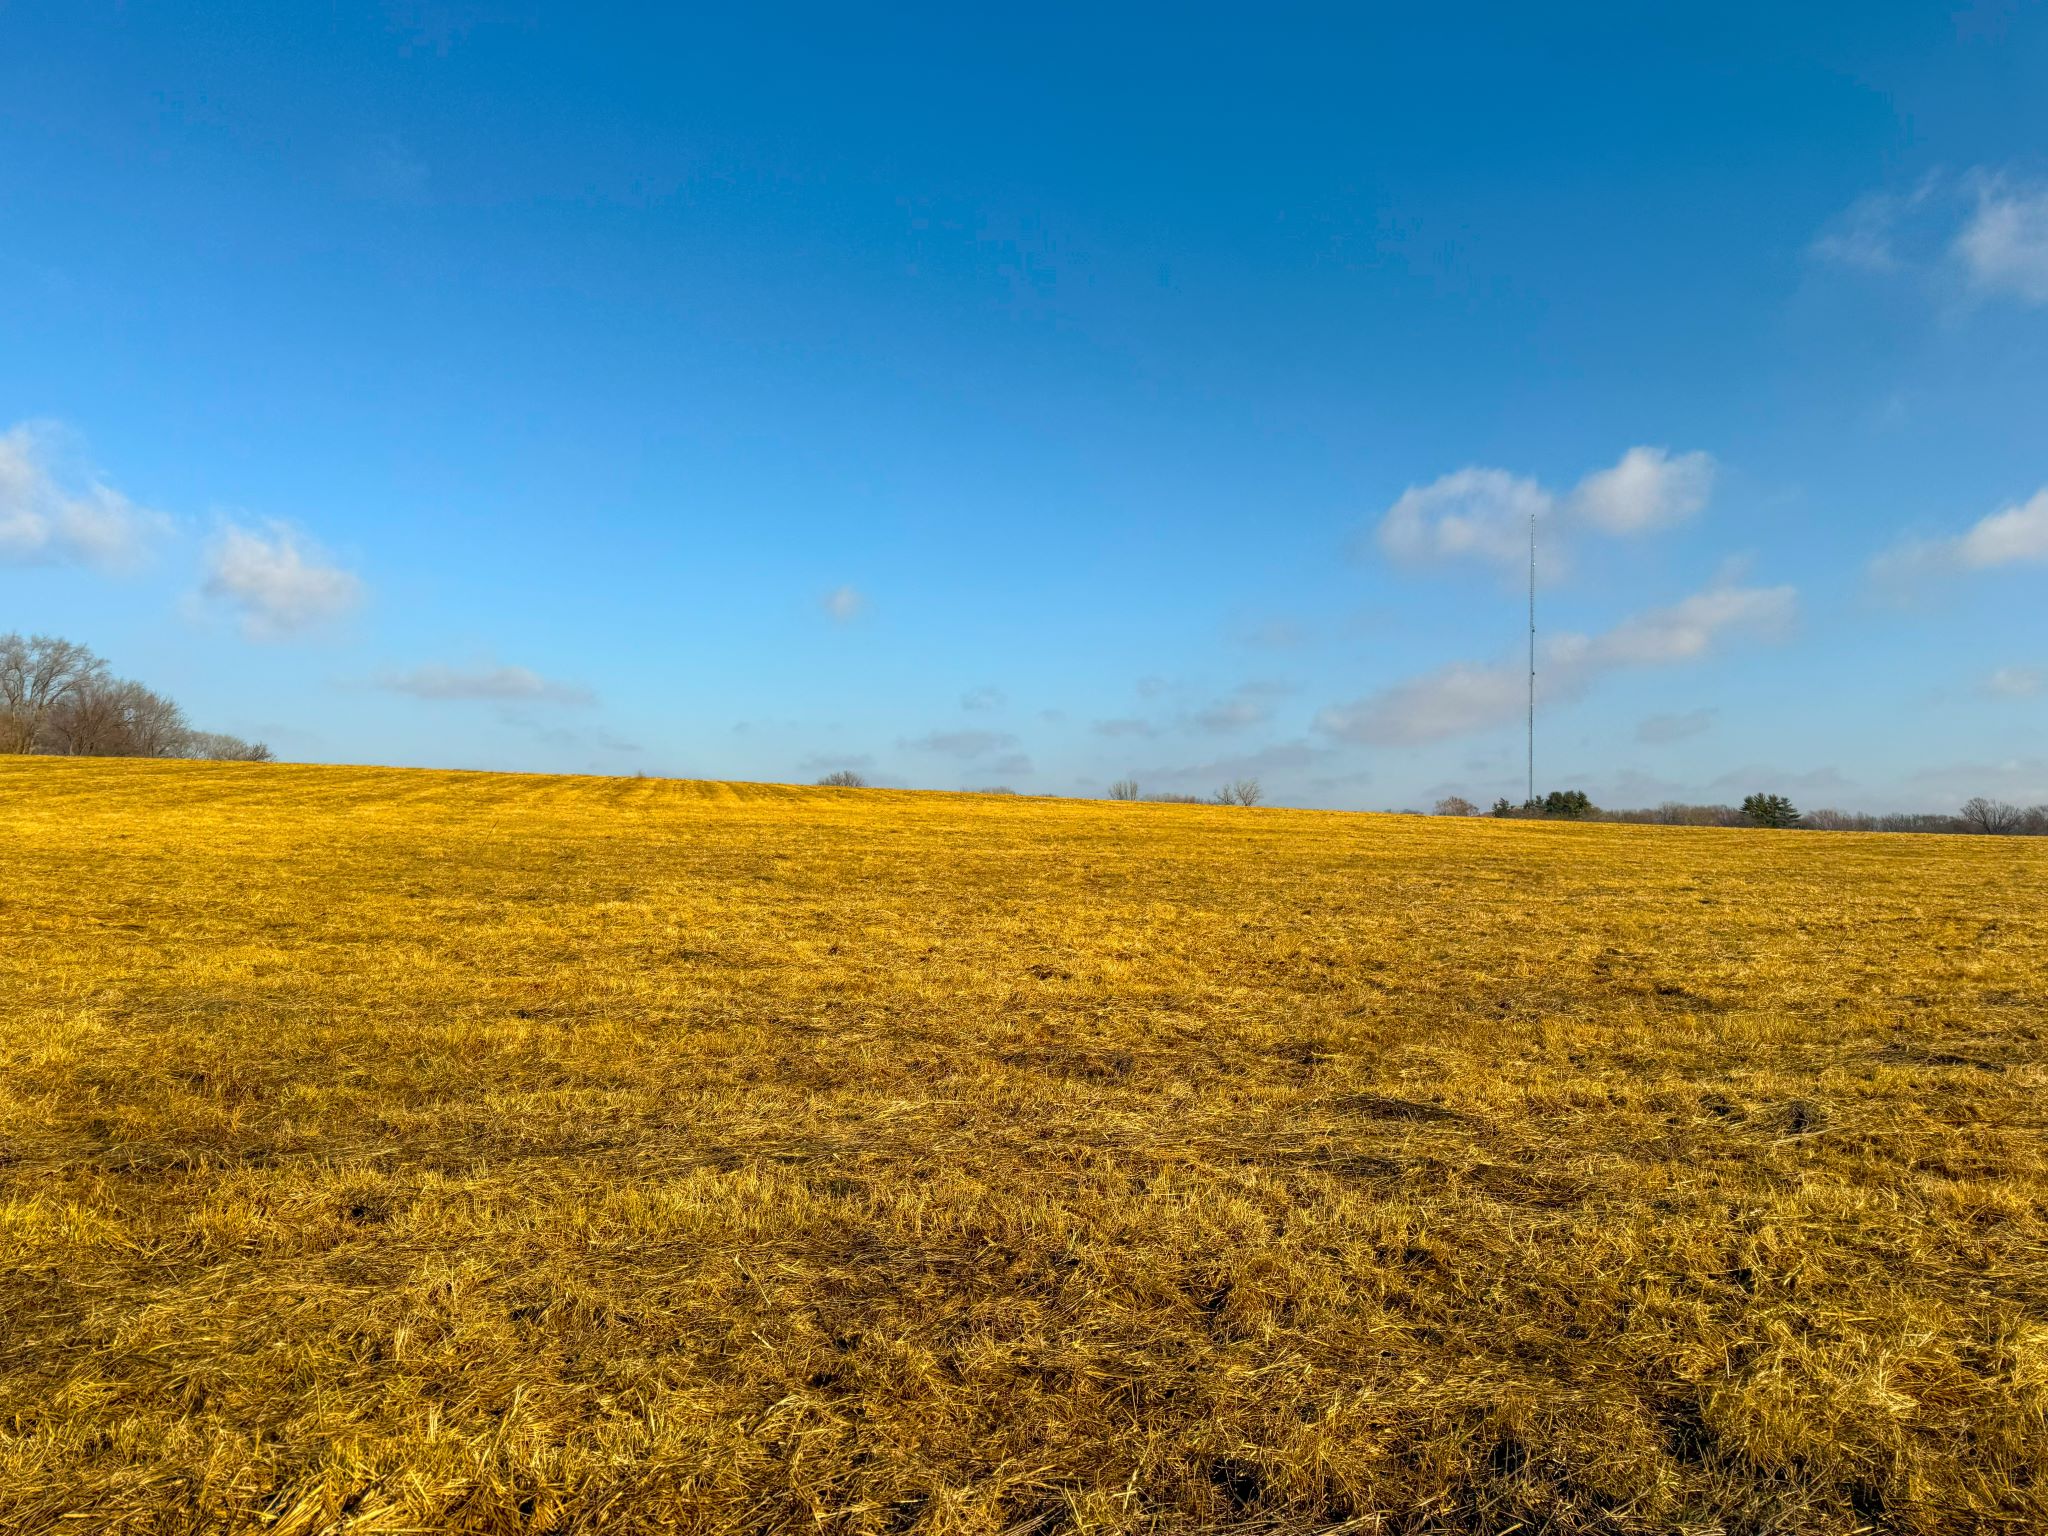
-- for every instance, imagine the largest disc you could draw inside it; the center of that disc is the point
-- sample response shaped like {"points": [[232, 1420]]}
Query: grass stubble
{"points": [[387, 1151]]}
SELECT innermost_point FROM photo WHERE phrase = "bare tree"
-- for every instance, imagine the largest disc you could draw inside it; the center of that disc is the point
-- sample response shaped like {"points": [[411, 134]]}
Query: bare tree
{"points": [[1124, 789], [1456, 805], [1240, 792], [1994, 817], [844, 778], [157, 727], [215, 746], [37, 676], [112, 718]]}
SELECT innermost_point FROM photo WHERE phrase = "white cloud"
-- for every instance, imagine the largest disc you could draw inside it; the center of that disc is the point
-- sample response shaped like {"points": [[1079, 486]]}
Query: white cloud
{"points": [[281, 583], [2003, 245], [1648, 489], [1685, 631], [500, 684], [986, 697], [1485, 514], [53, 513], [1465, 697], [1470, 513], [1985, 230], [2016, 682], [2012, 535], [843, 605]]}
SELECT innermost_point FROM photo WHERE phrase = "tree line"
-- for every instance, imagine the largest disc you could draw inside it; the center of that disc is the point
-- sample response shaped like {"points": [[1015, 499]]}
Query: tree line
{"points": [[1981, 814], [58, 698], [1246, 792]]}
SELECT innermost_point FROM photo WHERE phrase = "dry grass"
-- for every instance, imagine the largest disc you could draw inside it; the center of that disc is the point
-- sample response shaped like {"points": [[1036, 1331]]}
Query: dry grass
{"points": [[391, 1151]]}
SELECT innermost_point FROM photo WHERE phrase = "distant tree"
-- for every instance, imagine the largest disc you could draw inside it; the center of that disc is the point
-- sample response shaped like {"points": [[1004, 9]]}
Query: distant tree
{"points": [[1173, 797], [845, 778], [2034, 821], [106, 717], [1770, 811], [1831, 820], [57, 697], [1240, 792], [1567, 804], [1503, 807], [39, 676], [1456, 805], [1994, 817], [218, 747], [993, 789], [1124, 789]]}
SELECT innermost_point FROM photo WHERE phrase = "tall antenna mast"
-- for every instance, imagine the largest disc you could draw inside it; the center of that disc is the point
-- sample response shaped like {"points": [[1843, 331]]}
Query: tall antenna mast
{"points": [[1532, 655]]}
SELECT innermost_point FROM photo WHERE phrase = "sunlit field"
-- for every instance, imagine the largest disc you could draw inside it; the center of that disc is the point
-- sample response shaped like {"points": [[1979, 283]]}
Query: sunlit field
{"points": [[393, 1151]]}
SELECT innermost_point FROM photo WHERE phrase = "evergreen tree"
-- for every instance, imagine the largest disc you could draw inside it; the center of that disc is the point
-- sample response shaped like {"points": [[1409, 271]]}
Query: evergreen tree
{"points": [[1770, 811]]}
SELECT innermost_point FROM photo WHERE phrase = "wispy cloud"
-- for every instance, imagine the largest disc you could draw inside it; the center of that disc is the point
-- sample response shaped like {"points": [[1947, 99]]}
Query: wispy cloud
{"points": [[55, 510], [383, 168], [843, 605], [828, 762], [497, 684], [1685, 631], [1765, 778], [961, 744], [1318, 767], [2016, 682], [279, 581], [2021, 780], [1273, 634], [1866, 234], [1983, 233], [565, 739], [978, 700], [1464, 697], [2004, 242], [1246, 706], [1007, 765], [2014, 534], [1125, 726], [1661, 730], [992, 755]]}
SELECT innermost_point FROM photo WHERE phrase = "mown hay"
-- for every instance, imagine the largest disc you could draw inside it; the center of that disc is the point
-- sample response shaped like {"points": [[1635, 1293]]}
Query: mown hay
{"points": [[393, 1151]]}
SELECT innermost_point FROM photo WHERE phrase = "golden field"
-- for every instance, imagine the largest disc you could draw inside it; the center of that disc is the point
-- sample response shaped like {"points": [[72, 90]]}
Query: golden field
{"points": [[387, 1151]]}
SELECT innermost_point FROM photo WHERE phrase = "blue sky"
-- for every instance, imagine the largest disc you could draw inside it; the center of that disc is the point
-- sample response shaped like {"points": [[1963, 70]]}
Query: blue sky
{"points": [[1044, 395]]}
